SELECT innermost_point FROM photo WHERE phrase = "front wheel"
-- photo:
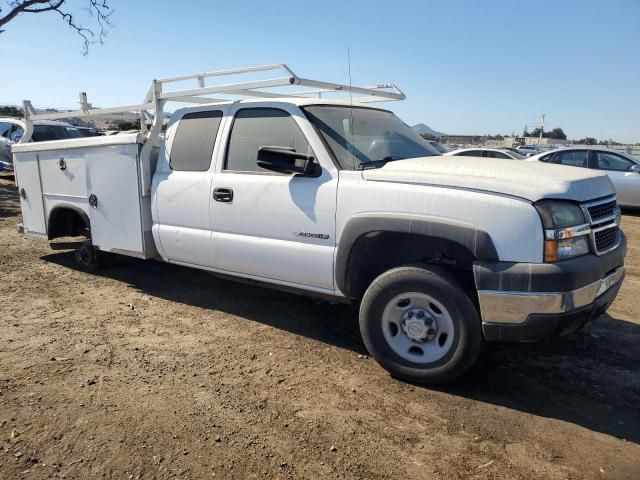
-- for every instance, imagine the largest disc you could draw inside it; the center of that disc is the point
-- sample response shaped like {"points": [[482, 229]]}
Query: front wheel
{"points": [[420, 324]]}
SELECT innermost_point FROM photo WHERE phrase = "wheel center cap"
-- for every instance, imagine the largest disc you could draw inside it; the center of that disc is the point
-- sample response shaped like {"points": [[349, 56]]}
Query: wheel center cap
{"points": [[419, 325]]}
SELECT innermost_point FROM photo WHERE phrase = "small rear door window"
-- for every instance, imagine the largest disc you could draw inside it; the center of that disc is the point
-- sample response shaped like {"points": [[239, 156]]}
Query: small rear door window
{"points": [[194, 140]]}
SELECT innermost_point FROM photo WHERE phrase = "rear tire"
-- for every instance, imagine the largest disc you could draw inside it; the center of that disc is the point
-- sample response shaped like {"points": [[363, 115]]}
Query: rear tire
{"points": [[86, 256], [420, 324]]}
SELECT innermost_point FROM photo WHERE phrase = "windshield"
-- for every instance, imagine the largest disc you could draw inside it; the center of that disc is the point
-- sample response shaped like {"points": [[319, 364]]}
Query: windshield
{"points": [[515, 153], [359, 137], [438, 146]]}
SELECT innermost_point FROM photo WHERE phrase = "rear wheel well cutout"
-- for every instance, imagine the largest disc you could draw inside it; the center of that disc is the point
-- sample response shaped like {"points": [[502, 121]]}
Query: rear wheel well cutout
{"points": [[68, 222]]}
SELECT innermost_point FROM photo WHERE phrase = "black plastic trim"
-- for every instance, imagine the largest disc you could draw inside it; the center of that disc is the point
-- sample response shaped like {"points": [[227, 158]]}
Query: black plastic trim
{"points": [[54, 213], [477, 241]]}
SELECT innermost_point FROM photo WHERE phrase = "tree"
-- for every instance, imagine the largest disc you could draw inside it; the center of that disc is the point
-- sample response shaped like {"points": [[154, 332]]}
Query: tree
{"points": [[96, 9], [587, 141], [536, 133], [127, 125], [10, 111], [557, 134], [495, 137]]}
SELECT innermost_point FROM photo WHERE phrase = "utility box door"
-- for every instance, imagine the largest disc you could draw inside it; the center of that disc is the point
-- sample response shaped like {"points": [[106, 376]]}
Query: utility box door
{"points": [[116, 218], [27, 171]]}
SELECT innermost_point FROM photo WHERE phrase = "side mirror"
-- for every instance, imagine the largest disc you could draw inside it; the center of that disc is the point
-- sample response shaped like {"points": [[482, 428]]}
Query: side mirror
{"points": [[635, 168], [287, 160]]}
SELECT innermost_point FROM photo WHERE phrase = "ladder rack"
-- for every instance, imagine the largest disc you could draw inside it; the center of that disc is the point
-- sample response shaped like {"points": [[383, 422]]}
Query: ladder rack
{"points": [[284, 84]]}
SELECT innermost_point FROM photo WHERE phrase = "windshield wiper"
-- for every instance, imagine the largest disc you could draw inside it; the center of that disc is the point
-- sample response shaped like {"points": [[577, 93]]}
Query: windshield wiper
{"points": [[378, 163]]}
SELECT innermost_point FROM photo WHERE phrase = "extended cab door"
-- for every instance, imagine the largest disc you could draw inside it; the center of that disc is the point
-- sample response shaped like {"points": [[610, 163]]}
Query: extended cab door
{"points": [[182, 199], [269, 225]]}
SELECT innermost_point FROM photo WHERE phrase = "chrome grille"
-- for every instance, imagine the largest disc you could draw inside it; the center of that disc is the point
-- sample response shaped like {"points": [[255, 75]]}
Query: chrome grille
{"points": [[602, 210], [603, 216]]}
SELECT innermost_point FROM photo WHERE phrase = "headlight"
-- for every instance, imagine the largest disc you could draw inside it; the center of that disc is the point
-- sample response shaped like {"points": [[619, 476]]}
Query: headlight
{"points": [[565, 230]]}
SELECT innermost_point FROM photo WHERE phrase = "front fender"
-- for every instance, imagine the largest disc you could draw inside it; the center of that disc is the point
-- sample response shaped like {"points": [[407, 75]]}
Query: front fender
{"points": [[470, 236]]}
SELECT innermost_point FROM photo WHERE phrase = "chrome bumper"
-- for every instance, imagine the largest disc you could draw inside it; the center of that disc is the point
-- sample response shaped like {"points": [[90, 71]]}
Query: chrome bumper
{"points": [[515, 307]]}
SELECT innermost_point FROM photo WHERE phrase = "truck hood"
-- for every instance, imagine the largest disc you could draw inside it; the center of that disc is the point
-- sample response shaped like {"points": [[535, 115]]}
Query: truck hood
{"points": [[530, 180]]}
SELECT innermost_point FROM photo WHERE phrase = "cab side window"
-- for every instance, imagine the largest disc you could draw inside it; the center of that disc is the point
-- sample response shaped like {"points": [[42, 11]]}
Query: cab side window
{"points": [[261, 127], [574, 158], [470, 153], [193, 142], [16, 133], [5, 128], [612, 162], [492, 154]]}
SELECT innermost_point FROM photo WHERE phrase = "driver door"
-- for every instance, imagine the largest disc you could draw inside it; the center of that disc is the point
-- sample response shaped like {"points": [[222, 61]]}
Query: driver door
{"points": [[267, 225]]}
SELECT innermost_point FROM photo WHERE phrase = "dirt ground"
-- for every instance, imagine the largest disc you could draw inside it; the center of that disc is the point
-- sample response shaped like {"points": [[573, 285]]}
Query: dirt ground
{"points": [[149, 371]]}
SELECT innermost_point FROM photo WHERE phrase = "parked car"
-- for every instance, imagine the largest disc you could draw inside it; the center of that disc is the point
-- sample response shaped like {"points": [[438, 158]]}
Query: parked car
{"points": [[12, 129], [622, 169], [529, 150], [89, 132], [438, 146], [486, 153], [346, 202]]}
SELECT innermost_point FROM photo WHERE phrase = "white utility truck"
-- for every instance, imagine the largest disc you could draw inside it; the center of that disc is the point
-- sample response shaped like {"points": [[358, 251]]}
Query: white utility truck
{"points": [[336, 198]]}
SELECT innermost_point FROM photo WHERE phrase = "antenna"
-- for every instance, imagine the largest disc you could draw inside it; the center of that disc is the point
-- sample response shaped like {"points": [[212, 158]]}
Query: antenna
{"points": [[353, 157], [349, 66]]}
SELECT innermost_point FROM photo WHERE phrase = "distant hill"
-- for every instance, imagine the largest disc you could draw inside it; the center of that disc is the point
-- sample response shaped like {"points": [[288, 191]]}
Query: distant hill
{"points": [[423, 129]]}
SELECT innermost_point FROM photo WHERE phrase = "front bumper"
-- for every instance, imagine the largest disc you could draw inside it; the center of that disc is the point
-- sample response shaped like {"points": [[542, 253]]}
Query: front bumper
{"points": [[531, 302]]}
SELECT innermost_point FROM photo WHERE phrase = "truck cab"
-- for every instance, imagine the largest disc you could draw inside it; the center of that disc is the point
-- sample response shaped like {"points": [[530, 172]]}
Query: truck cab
{"points": [[342, 200]]}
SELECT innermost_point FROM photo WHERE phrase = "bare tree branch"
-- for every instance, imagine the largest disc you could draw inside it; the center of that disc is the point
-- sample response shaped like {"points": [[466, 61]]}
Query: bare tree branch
{"points": [[98, 9], [44, 9], [17, 8]]}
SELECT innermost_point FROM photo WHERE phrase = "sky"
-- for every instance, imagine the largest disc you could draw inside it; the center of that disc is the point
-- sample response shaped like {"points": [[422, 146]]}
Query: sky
{"points": [[467, 67]]}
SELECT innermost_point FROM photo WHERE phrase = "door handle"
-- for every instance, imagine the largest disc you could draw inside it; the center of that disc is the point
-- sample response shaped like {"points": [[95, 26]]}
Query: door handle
{"points": [[223, 195]]}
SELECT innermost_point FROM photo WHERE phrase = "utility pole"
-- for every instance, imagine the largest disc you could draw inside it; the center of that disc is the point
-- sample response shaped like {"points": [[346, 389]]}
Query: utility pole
{"points": [[541, 129]]}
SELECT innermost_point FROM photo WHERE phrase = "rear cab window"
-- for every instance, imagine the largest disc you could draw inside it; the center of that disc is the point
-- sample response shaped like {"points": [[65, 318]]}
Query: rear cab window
{"points": [[193, 142]]}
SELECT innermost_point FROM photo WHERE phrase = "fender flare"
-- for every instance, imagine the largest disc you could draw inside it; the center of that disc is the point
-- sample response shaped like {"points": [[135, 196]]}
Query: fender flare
{"points": [[476, 240]]}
